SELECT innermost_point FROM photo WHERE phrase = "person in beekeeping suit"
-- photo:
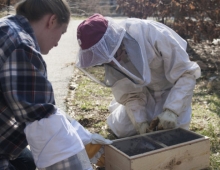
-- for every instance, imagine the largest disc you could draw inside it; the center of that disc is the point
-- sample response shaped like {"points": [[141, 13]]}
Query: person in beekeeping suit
{"points": [[146, 65]]}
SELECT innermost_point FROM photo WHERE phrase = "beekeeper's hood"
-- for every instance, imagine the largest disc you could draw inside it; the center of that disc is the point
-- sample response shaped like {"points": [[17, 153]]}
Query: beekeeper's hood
{"points": [[107, 52]]}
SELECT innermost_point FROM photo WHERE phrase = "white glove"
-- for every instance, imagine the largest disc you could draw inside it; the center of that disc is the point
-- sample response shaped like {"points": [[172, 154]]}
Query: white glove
{"points": [[137, 114], [134, 99], [167, 120], [124, 91], [143, 127], [98, 139]]}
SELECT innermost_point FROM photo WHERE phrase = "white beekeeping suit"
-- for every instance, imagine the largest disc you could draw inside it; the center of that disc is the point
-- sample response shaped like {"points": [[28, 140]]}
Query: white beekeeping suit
{"points": [[172, 76], [153, 78]]}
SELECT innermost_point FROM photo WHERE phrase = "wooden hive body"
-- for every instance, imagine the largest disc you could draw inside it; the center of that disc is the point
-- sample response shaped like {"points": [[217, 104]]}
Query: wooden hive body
{"points": [[176, 149]]}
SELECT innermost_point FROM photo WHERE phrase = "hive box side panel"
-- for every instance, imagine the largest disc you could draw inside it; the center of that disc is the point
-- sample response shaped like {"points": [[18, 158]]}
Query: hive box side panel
{"points": [[194, 156], [115, 160]]}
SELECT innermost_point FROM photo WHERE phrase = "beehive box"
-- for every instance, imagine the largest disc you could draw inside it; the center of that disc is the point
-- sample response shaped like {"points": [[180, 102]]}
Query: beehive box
{"points": [[176, 149]]}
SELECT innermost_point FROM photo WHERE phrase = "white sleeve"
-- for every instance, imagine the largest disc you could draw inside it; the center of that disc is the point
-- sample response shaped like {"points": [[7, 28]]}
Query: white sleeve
{"points": [[52, 140], [179, 70], [180, 96], [83, 133], [172, 49]]}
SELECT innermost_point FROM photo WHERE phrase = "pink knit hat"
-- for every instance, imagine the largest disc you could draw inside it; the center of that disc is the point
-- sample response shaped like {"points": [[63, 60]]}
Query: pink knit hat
{"points": [[91, 30]]}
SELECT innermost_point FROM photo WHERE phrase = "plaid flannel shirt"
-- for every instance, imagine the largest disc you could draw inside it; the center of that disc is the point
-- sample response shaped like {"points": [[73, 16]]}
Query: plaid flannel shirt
{"points": [[25, 92]]}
